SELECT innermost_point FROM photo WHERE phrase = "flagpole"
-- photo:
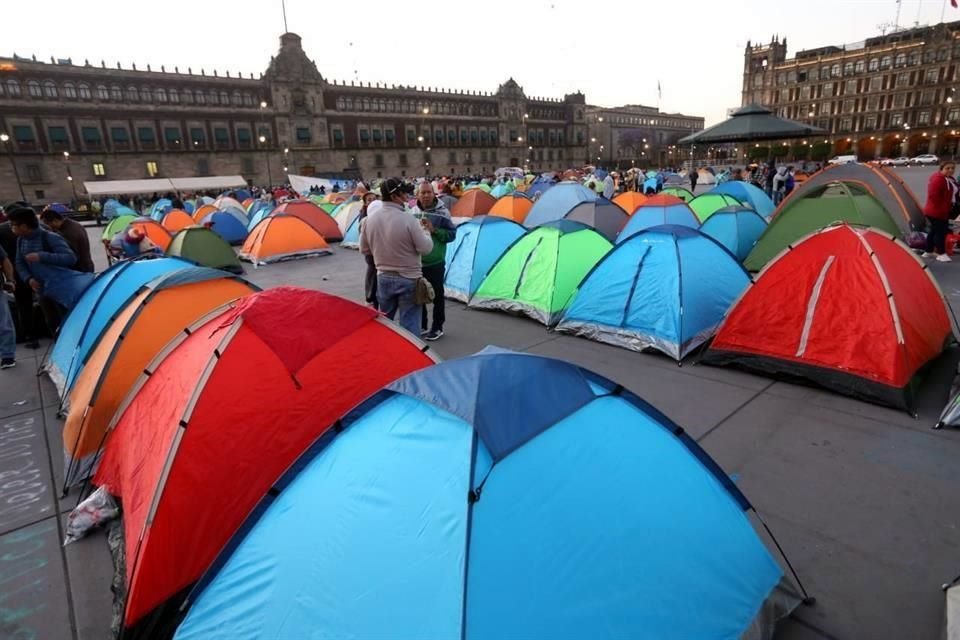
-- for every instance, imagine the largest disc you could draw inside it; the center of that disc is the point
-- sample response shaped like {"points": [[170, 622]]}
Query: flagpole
{"points": [[283, 5]]}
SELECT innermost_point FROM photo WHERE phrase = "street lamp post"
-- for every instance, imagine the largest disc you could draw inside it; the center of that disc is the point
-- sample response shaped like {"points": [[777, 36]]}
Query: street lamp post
{"points": [[73, 186], [5, 139], [266, 154]]}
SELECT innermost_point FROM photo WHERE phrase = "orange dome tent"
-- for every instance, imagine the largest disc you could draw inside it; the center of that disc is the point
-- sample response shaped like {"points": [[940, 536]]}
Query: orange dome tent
{"points": [[474, 202], [630, 201], [154, 316], [154, 231], [512, 207], [175, 219], [283, 237], [313, 215], [203, 211]]}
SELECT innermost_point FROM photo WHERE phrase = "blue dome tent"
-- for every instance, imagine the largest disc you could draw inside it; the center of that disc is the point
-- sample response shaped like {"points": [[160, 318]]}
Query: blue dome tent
{"points": [[479, 244], [227, 225], [736, 228], [351, 237], [657, 214], [556, 202], [749, 195], [456, 503], [87, 321], [258, 213], [666, 288], [159, 208], [113, 209]]}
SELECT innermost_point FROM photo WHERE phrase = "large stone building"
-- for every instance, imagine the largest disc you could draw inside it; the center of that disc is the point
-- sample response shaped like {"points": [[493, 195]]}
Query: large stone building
{"points": [[636, 135], [887, 96], [69, 123]]}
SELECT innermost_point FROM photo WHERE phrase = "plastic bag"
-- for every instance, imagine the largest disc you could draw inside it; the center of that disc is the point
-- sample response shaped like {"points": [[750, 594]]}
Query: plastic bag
{"points": [[97, 509]]}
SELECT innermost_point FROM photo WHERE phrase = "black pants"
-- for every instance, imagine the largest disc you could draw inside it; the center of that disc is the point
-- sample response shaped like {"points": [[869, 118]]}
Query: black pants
{"points": [[26, 327], [370, 283], [434, 275], [937, 236], [53, 313]]}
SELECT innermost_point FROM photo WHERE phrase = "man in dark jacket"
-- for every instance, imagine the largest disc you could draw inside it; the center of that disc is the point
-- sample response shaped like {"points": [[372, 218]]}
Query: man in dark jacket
{"points": [[75, 235], [370, 277], [435, 218], [23, 296]]}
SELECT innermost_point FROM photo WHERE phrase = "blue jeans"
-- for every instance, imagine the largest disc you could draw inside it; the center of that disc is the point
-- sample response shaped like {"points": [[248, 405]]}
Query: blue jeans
{"points": [[396, 297], [8, 337]]}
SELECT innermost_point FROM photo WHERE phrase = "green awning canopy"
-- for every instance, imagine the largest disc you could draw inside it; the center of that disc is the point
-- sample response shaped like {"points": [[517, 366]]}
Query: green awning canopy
{"points": [[752, 123]]}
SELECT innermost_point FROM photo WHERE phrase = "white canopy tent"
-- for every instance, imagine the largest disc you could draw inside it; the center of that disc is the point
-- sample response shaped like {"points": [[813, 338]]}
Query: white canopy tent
{"points": [[162, 185], [302, 184]]}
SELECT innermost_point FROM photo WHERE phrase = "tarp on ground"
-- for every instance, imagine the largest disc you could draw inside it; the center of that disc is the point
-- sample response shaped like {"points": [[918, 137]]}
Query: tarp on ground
{"points": [[411, 557]]}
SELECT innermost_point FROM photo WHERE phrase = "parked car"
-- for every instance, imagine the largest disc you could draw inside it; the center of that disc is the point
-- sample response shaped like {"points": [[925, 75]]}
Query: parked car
{"points": [[842, 159], [885, 162], [902, 161], [925, 159]]}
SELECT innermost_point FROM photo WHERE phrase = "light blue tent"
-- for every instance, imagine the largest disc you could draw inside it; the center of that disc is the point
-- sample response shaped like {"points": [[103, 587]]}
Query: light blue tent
{"points": [[257, 213], [457, 503], [113, 209], [351, 237], [228, 225], [666, 288], [91, 316], [538, 188], [189, 206], [554, 203], [655, 215], [736, 228], [159, 208], [501, 189], [749, 195], [479, 244], [650, 185], [241, 195]]}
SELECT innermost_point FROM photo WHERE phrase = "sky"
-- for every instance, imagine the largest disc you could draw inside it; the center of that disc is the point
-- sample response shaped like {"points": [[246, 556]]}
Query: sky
{"points": [[615, 53]]}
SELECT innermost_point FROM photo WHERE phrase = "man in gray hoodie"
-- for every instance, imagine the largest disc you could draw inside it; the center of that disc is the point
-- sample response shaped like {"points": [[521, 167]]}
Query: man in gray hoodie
{"points": [[396, 240]]}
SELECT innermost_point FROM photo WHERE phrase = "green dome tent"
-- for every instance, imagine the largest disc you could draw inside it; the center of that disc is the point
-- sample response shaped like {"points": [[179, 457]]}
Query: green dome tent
{"points": [[116, 225], [205, 247], [707, 204], [538, 274], [819, 208]]}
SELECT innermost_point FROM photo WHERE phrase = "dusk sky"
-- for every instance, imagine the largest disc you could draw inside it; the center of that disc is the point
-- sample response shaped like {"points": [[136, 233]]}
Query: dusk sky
{"points": [[614, 53]]}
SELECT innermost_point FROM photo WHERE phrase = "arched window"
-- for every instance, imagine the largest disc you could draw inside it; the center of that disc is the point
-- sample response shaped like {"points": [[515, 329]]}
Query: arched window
{"points": [[116, 93], [900, 60], [366, 105], [159, 94], [348, 104], [174, 96], [200, 97], [914, 58], [83, 90], [187, 97], [50, 89], [248, 99], [69, 91], [102, 92], [224, 98], [339, 104], [146, 95], [13, 88], [132, 94], [237, 98], [214, 97], [885, 62], [33, 88]]}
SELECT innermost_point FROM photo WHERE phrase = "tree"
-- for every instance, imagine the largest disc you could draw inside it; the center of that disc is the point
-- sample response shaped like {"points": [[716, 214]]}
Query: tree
{"points": [[759, 153], [821, 151]]}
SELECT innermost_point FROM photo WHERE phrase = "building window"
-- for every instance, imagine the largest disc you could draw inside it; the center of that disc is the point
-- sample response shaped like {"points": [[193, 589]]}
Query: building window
{"points": [[24, 137], [896, 120], [200, 97], [848, 69], [159, 95], [224, 98], [83, 90], [116, 93], [103, 94], [187, 97], [119, 136], [933, 75], [172, 137], [57, 137], [885, 62], [99, 170], [214, 97], [132, 94], [929, 56], [13, 88], [914, 58], [923, 117], [364, 136], [338, 136], [827, 90], [874, 64], [926, 98], [493, 136], [953, 115], [377, 135], [859, 66], [174, 96], [900, 60], [146, 95], [846, 124], [152, 169], [870, 123], [303, 135], [900, 100], [848, 106], [147, 137], [198, 137], [850, 87], [33, 89], [872, 103], [91, 137], [70, 91], [221, 138], [835, 71], [244, 138], [876, 83], [389, 134], [248, 100], [237, 99]]}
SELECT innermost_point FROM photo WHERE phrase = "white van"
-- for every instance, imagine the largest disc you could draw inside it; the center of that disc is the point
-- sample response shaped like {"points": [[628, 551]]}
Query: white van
{"points": [[842, 160]]}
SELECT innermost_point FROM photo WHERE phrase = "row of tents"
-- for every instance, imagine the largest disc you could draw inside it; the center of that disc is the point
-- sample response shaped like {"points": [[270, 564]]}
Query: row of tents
{"points": [[438, 478]]}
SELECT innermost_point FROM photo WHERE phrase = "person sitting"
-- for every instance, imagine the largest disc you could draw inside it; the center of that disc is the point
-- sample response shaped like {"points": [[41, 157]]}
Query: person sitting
{"points": [[132, 243]]}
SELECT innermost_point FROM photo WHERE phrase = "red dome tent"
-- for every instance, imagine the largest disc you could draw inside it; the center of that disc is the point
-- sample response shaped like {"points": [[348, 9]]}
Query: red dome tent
{"points": [[313, 215], [849, 308], [219, 415]]}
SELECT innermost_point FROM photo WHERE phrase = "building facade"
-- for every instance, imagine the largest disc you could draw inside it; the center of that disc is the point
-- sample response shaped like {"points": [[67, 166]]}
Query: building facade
{"points": [[887, 96], [637, 135], [69, 123]]}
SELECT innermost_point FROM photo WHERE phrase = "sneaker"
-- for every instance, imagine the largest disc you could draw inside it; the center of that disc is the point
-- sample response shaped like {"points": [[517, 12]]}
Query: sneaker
{"points": [[927, 254], [424, 333], [8, 363], [944, 258], [436, 334]]}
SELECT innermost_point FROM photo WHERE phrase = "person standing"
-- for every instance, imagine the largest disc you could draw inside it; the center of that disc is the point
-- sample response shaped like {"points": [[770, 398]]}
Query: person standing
{"points": [[609, 188], [436, 218], [28, 329], [8, 335], [370, 276], [941, 195], [75, 235], [396, 240], [694, 176]]}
